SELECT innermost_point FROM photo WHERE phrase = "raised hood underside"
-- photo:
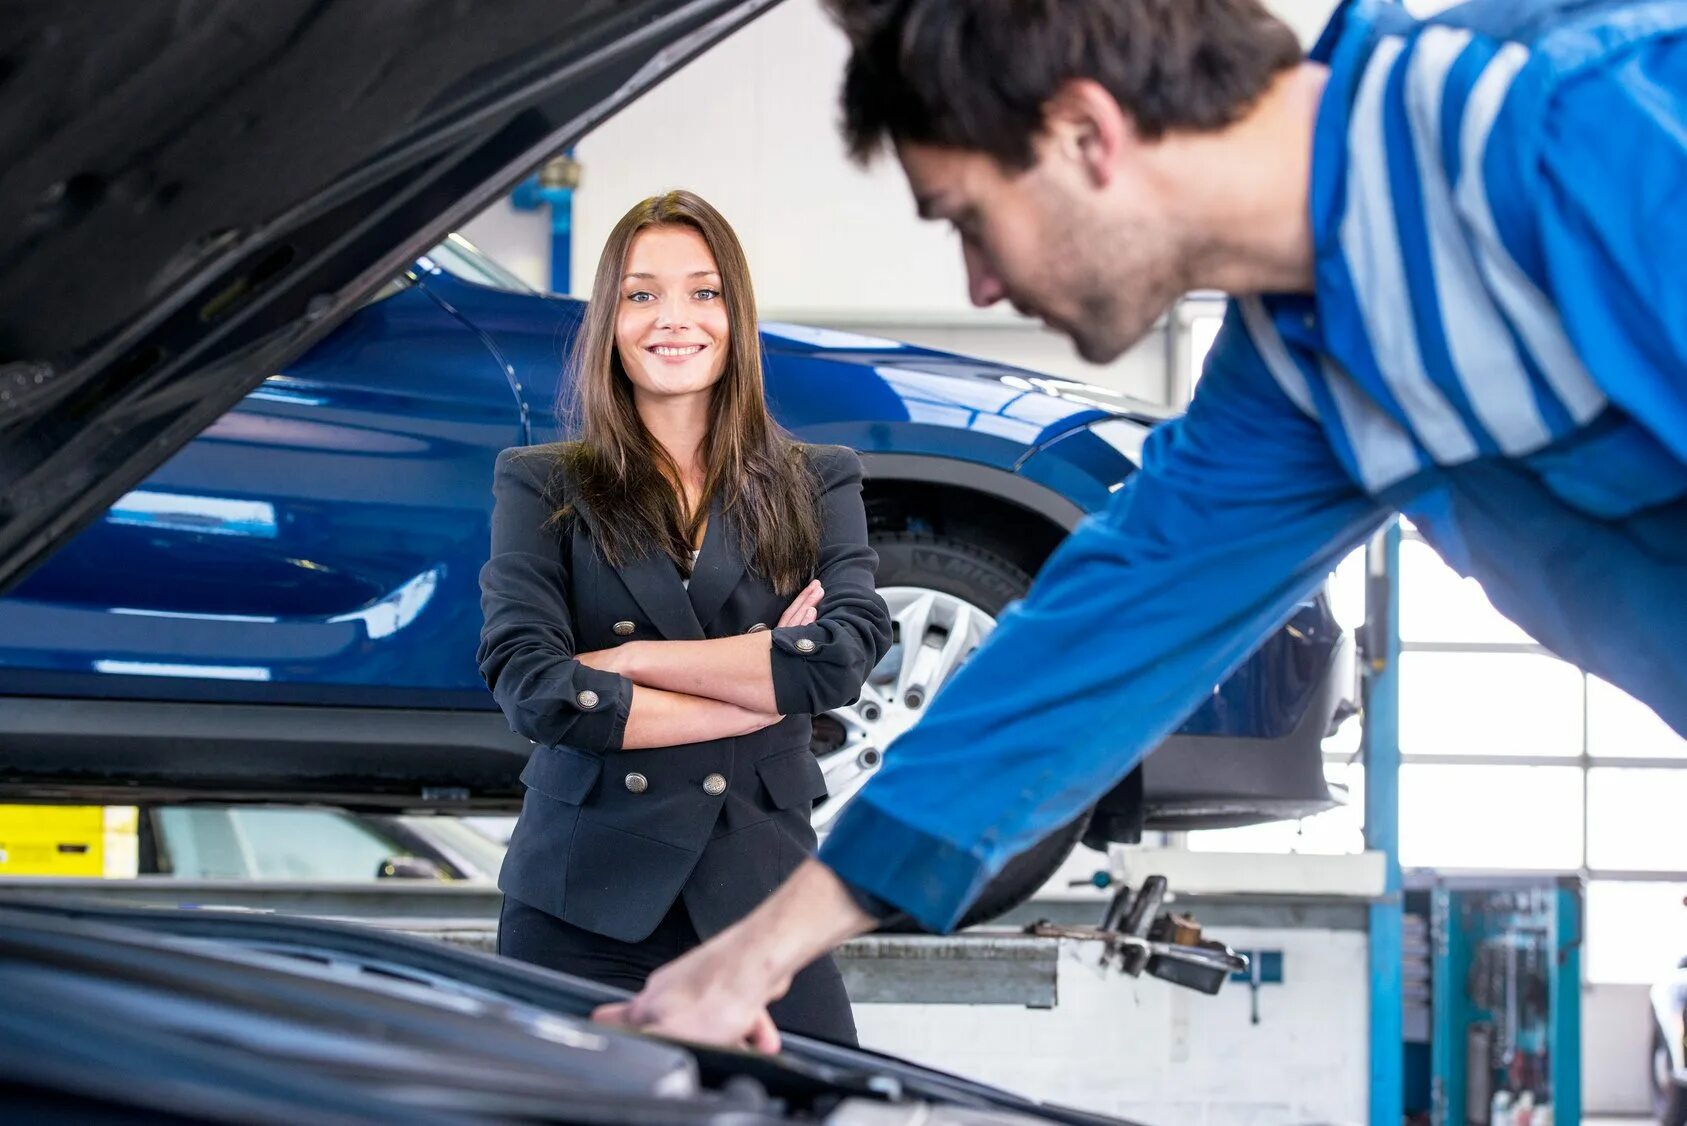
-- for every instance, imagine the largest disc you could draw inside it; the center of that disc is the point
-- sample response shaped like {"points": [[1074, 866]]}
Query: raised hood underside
{"points": [[192, 194]]}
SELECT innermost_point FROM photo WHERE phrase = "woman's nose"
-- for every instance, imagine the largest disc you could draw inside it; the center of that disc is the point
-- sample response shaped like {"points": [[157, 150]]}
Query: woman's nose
{"points": [[671, 313]]}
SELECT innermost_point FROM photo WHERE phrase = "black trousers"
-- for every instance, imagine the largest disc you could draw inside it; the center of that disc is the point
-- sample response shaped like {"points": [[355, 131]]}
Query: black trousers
{"points": [[816, 1004]]}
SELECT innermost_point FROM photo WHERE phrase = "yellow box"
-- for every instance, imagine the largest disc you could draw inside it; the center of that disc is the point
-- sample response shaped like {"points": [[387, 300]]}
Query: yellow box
{"points": [[68, 840]]}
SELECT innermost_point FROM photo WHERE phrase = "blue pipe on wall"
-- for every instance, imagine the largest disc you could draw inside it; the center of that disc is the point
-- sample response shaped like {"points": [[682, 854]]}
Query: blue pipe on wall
{"points": [[1382, 823], [553, 186]]}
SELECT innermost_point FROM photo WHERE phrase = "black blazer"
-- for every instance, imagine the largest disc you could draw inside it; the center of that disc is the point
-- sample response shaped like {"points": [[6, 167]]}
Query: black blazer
{"points": [[607, 838]]}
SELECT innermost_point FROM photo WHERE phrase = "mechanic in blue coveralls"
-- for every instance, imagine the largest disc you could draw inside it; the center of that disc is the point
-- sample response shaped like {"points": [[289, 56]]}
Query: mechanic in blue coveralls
{"points": [[1458, 250]]}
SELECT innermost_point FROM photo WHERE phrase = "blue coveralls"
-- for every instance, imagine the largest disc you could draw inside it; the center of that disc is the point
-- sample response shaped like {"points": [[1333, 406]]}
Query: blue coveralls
{"points": [[1497, 347]]}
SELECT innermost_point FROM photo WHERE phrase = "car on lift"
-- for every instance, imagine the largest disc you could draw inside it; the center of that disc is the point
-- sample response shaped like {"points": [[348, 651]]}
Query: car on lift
{"points": [[297, 597]]}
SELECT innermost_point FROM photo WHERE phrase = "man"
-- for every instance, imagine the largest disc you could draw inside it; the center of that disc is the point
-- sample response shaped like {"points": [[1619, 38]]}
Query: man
{"points": [[1460, 254]]}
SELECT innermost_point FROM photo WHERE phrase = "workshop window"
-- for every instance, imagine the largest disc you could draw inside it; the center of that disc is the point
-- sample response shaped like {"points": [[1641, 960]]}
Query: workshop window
{"points": [[1619, 726], [1636, 932], [1634, 820], [1486, 817], [1437, 604], [1489, 704]]}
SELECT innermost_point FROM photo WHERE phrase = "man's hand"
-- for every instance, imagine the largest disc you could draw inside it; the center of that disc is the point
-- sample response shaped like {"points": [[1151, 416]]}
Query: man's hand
{"points": [[719, 993], [713, 995], [804, 608]]}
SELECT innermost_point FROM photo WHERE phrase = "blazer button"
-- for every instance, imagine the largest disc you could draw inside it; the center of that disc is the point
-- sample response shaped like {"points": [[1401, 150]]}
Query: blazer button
{"points": [[804, 645], [623, 629], [587, 699], [759, 627], [714, 785], [637, 783]]}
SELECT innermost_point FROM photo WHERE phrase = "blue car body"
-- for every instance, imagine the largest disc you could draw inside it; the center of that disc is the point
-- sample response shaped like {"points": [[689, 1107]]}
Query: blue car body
{"points": [[318, 547]]}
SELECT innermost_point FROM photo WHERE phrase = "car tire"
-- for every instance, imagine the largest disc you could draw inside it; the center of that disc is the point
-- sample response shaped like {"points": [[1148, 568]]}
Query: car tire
{"points": [[986, 582], [1669, 1098], [952, 566]]}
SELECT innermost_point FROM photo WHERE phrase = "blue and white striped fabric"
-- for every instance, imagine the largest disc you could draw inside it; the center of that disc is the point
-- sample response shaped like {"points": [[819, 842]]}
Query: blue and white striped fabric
{"points": [[1497, 347]]}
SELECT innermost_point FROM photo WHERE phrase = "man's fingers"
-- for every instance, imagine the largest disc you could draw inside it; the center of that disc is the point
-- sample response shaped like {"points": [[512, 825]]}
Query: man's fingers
{"points": [[617, 1012], [764, 1036]]}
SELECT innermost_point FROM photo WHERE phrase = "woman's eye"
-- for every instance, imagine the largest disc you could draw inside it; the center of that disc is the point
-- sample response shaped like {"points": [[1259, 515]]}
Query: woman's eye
{"points": [[640, 297], [707, 294]]}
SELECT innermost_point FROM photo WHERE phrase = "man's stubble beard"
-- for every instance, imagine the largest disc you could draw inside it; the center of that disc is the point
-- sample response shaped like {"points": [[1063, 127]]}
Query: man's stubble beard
{"points": [[1127, 282]]}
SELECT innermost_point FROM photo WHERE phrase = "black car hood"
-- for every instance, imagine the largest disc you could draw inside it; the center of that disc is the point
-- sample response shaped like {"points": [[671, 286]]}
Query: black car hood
{"points": [[192, 194]]}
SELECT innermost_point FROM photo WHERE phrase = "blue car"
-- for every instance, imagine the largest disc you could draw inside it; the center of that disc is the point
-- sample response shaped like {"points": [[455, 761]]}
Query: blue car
{"points": [[287, 609]]}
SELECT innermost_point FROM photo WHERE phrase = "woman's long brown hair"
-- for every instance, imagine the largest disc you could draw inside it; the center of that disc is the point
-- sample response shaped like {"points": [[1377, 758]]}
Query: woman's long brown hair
{"points": [[760, 475]]}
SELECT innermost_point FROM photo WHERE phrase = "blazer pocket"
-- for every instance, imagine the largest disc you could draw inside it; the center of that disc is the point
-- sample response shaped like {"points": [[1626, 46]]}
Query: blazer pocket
{"points": [[562, 774], [792, 778]]}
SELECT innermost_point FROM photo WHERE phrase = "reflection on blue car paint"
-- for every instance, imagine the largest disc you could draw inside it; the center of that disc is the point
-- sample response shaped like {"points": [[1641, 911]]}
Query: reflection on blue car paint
{"points": [[218, 516], [321, 543]]}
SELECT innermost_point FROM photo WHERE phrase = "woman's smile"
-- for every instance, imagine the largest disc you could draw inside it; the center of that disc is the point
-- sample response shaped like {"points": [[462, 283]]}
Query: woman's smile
{"points": [[675, 353]]}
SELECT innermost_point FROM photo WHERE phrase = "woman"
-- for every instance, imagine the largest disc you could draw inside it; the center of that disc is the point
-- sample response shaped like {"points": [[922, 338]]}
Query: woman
{"points": [[670, 599]]}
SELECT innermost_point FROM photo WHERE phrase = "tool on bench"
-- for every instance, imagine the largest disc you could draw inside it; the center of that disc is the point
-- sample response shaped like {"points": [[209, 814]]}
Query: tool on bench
{"points": [[1136, 936]]}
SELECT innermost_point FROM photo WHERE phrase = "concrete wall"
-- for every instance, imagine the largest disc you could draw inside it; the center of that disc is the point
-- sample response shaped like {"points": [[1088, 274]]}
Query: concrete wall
{"points": [[1158, 1054]]}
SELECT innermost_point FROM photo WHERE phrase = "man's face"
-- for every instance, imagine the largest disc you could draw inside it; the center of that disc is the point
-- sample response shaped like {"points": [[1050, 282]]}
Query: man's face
{"points": [[1096, 262]]}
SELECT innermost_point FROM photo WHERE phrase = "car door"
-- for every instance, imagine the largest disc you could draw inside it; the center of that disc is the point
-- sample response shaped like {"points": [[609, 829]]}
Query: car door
{"points": [[319, 544]]}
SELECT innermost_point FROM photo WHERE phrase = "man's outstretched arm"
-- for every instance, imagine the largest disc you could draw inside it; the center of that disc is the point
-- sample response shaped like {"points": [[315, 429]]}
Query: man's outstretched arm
{"points": [[1240, 510]]}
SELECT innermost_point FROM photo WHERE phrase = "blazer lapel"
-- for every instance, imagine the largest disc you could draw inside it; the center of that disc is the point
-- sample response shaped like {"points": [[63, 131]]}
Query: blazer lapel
{"points": [[719, 566], [655, 585]]}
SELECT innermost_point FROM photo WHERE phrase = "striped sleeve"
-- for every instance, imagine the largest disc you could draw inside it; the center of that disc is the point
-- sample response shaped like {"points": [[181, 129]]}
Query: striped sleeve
{"points": [[1456, 338]]}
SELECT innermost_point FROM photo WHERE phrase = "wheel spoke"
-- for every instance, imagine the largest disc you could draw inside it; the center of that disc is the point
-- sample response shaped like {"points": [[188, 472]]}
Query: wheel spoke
{"points": [[936, 632], [914, 622], [849, 783], [961, 642], [866, 715]]}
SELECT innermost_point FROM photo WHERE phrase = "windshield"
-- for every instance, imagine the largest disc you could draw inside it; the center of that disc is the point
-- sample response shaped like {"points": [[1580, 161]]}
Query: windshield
{"points": [[461, 259]]}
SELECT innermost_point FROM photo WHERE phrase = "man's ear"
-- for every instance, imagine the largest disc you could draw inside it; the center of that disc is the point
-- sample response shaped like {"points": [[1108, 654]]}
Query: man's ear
{"points": [[1085, 122]]}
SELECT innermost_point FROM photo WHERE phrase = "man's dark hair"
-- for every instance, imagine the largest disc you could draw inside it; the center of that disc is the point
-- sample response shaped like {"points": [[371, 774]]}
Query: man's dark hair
{"points": [[977, 74]]}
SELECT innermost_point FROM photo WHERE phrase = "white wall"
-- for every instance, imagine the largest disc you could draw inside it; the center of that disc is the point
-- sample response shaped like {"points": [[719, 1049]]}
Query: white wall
{"points": [[520, 240], [1308, 17], [750, 127], [1616, 1049], [1157, 1054]]}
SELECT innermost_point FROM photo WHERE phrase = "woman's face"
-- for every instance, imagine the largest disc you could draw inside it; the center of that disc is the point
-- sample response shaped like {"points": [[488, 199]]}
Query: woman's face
{"points": [[671, 324]]}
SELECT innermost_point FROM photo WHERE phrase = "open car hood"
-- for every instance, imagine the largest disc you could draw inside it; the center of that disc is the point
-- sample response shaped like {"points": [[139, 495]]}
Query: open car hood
{"points": [[193, 194]]}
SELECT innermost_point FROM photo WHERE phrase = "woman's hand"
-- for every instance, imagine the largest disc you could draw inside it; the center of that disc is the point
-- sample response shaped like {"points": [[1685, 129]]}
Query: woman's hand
{"points": [[803, 610]]}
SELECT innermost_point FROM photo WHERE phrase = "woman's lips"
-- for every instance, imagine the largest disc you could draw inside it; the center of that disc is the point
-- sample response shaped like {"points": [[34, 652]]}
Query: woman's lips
{"points": [[674, 351]]}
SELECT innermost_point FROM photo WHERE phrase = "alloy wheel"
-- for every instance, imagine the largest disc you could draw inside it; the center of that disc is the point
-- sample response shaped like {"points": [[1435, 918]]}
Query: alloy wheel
{"points": [[933, 634]]}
